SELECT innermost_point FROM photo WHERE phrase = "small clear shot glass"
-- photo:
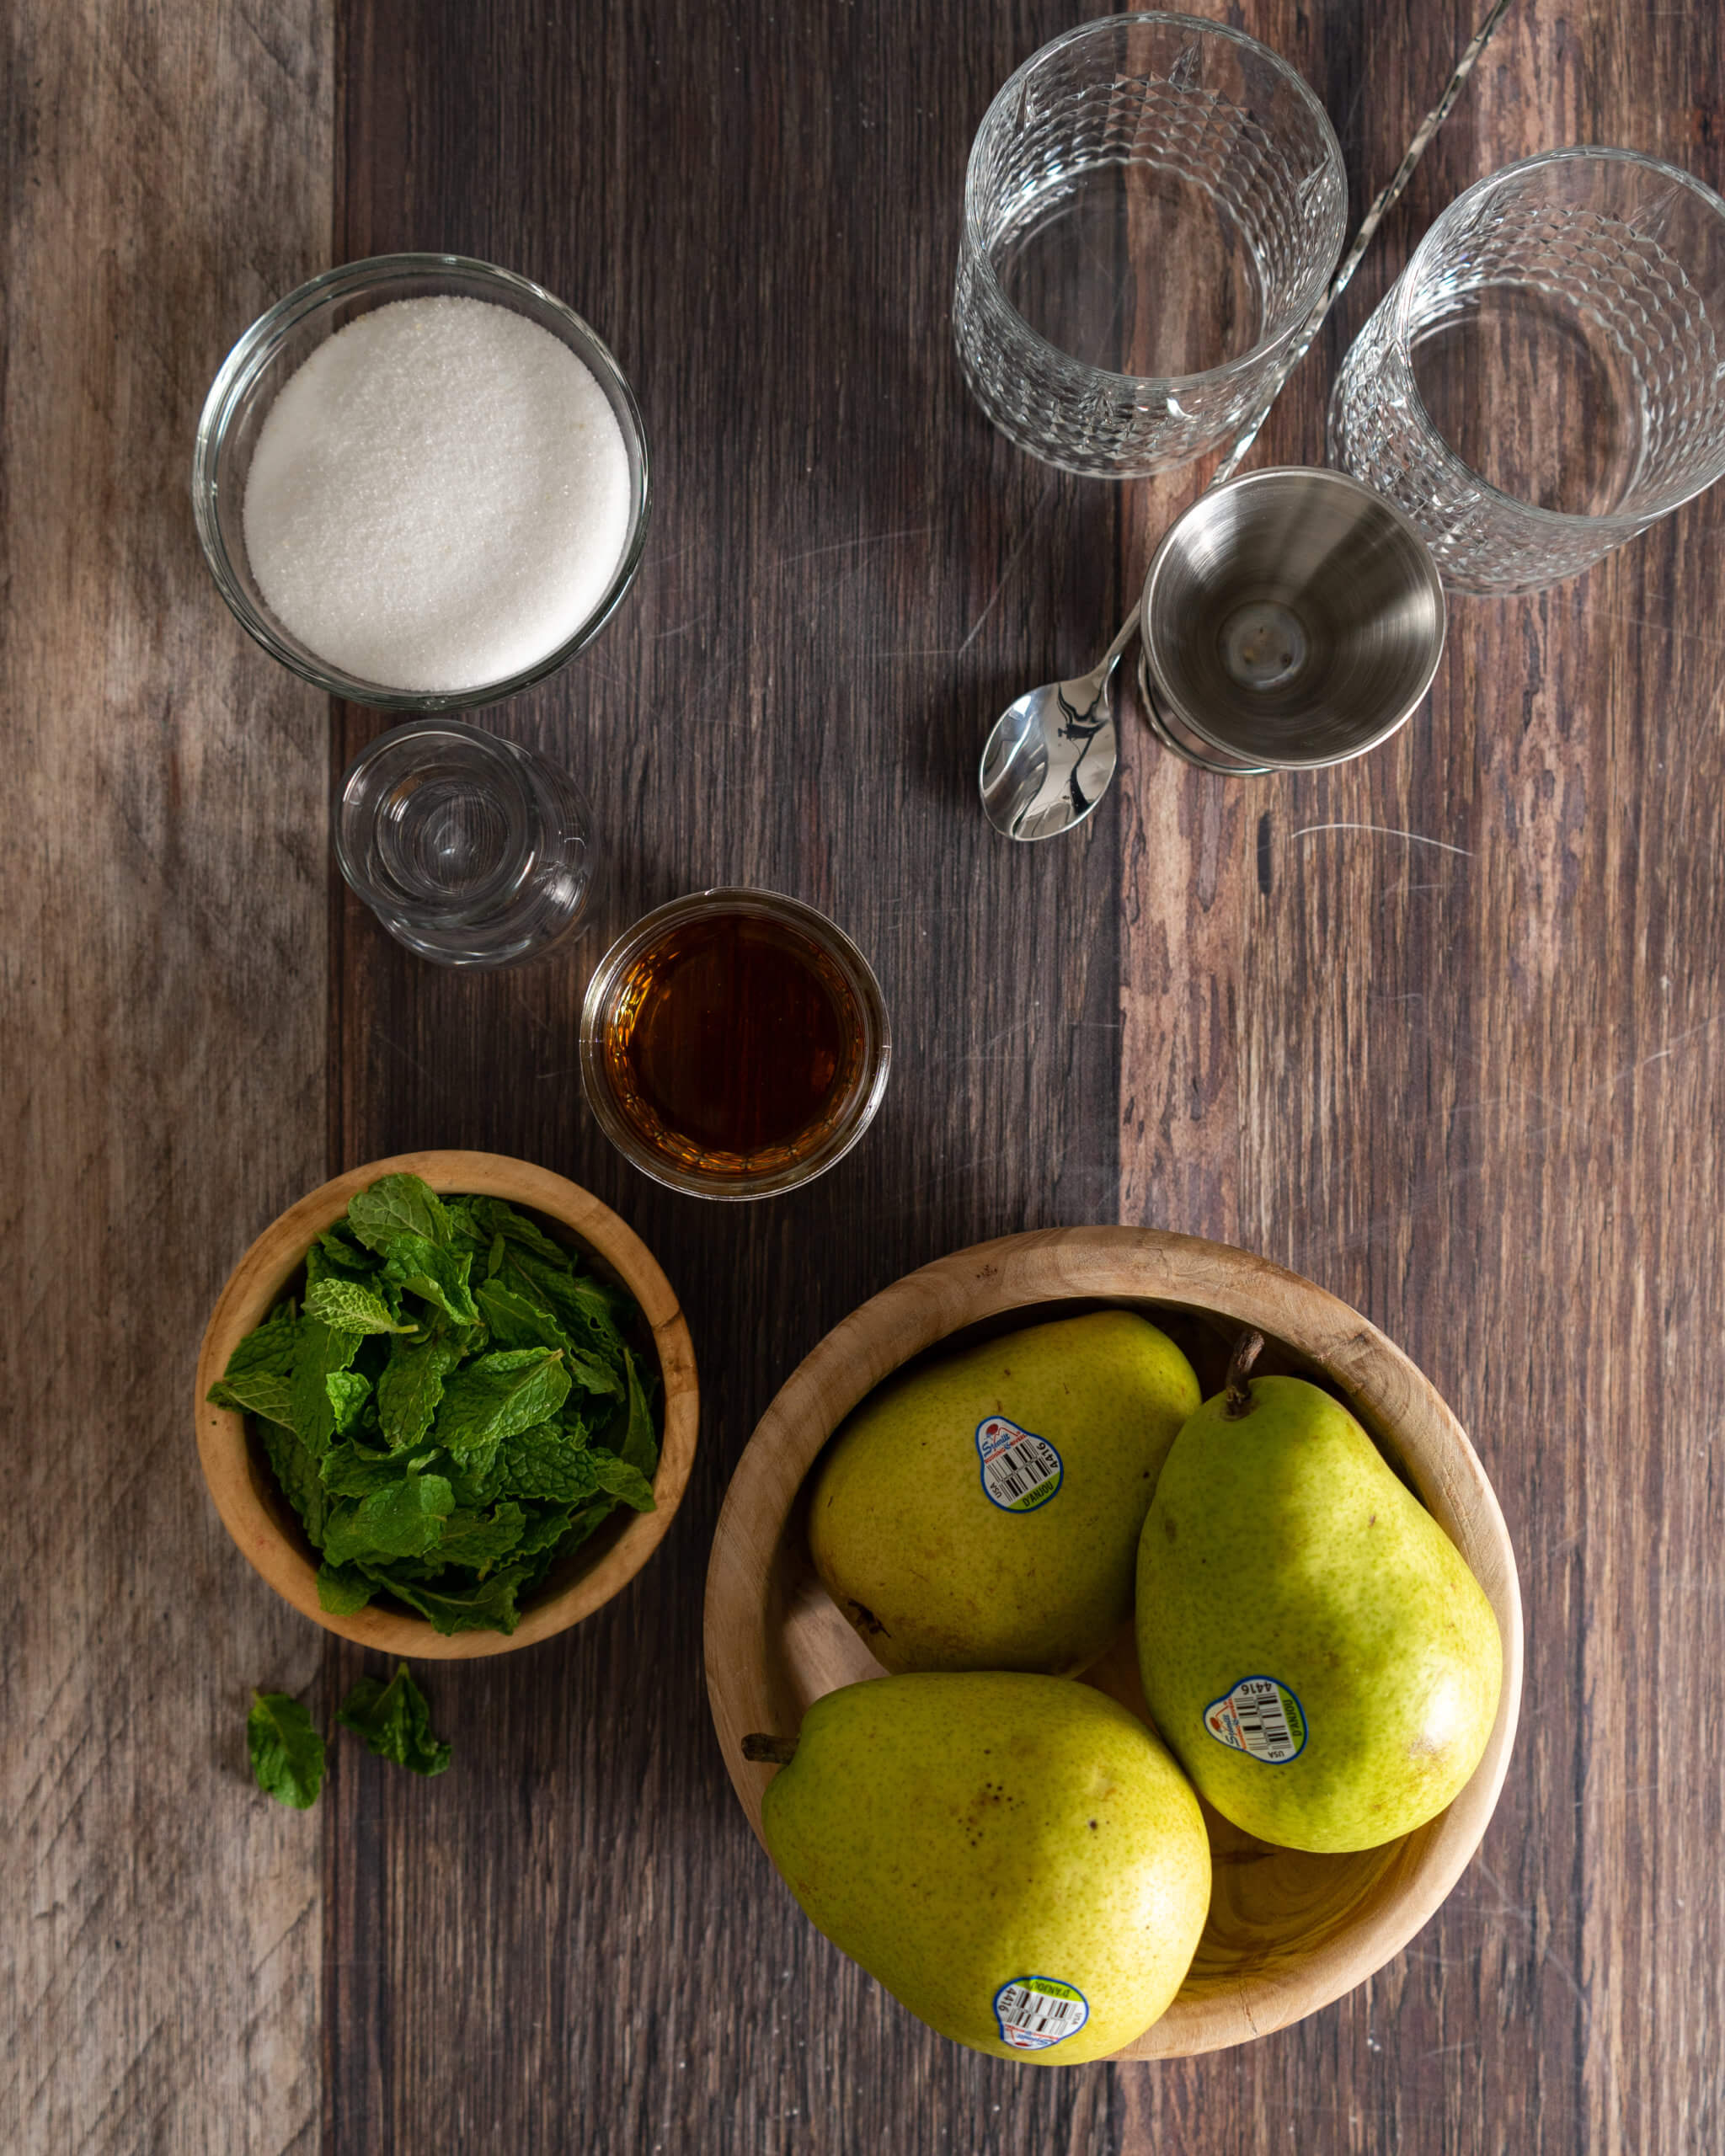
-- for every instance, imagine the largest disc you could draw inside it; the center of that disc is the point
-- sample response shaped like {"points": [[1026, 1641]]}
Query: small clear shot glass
{"points": [[704, 1019], [265, 360], [470, 849], [1546, 378], [1153, 207]]}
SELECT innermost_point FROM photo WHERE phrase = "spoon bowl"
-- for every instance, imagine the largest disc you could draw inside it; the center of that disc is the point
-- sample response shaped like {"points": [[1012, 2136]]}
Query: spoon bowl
{"points": [[1050, 756]]}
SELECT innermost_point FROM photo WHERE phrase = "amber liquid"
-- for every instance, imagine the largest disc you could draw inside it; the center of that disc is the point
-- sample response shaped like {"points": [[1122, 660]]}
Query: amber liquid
{"points": [[735, 1045]]}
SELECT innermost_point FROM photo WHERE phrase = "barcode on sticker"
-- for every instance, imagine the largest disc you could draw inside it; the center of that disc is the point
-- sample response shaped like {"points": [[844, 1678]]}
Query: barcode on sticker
{"points": [[1034, 2012], [1260, 1716], [1020, 1470]]}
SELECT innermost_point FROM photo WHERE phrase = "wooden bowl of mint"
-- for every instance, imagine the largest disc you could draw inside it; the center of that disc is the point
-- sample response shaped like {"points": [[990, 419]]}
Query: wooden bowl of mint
{"points": [[454, 1405], [1288, 1932]]}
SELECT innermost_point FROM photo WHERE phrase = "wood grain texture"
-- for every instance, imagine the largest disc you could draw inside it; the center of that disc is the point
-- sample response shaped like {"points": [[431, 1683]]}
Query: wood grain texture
{"points": [[163, 1007], [1287, 1933], [1447, 1084], [1474, 988], [847, 573]]}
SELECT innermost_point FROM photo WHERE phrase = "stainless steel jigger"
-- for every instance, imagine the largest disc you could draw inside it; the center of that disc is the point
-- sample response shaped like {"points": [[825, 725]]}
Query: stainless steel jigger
{"points": [[1290, 618]]}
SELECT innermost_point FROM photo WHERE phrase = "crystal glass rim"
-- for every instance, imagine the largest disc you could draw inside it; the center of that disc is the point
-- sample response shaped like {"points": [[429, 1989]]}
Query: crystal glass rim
{"points": [[1308, 291], [771, 905], [254, 353], [1243, 483], [509, 758], [1625, 526]]}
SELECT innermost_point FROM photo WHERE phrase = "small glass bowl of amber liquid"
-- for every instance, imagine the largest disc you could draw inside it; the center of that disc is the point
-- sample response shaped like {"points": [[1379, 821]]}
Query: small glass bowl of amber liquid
{"points": [[734, 1044]]}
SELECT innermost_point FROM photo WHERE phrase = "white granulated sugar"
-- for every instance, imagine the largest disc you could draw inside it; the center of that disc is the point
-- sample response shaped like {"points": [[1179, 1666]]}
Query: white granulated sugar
{"points": [[439, 497]]}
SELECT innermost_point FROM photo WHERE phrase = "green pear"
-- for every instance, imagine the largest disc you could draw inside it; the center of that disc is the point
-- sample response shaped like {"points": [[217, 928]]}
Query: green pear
{"points": [[1312, 1643], [1016, 1858], [983, 1513]]}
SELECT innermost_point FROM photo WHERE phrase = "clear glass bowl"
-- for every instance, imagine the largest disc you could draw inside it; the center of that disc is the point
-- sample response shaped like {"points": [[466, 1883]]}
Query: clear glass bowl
{"points": [[276, 346], [617, 983]]}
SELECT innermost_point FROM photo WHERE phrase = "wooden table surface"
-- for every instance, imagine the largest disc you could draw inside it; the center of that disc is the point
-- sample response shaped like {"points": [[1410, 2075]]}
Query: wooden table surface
{"points": [[1436, 1028]]}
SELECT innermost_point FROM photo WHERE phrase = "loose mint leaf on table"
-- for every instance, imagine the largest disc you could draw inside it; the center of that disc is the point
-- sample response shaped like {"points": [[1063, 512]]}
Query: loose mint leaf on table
{"points": [[349, 1306], [342, 1589], [404, 1520], [395, 1722], [495, 1397], [435, 1274], [521, 1318], [286, 1752], [412, 1385], [395, 1206]]}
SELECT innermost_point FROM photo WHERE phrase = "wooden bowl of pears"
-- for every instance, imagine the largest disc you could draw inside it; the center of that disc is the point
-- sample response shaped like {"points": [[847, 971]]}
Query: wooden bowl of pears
{"points": [[1231, 1510]]}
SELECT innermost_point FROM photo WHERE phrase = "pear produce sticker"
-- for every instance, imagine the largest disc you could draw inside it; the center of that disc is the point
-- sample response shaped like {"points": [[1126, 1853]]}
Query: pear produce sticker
{"points": [[1034, 2012], [1020, 1470], [1260, 1716]]}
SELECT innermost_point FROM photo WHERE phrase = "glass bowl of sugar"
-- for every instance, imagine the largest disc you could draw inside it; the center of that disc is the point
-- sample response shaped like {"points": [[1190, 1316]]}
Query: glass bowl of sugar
{"points": [[421, 482]]}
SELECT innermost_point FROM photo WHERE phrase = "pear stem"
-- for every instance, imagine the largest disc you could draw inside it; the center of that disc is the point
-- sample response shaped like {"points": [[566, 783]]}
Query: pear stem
{"points": [[770, 1751], [1247, 1350]]}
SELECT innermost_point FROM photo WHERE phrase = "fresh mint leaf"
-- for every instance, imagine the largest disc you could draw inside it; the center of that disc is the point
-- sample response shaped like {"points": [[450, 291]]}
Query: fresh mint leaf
{"points": [[342, 1589], [256, 1381], [435, 1274], [548, 1462], [349, 1306], [491, 1605], [616, 1474], [395, 1722], [640, 1445], [404, 1520], [267, 1347], [521, 1318], [335, 1255], [349, 1390], [352, 1469], [494, 1216], [412, 1385], [286, 1751], [477, 1540], [296, 1474], [494, 1397], [395, 1206], [464, 1231], [319, 1354], [255, 1392]]}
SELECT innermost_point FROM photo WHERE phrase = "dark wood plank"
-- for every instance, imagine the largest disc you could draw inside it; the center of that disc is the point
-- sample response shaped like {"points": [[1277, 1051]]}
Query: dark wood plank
{"points": [[1448, 1085], [847, 573], [162, 1007], [1447, 1052]]}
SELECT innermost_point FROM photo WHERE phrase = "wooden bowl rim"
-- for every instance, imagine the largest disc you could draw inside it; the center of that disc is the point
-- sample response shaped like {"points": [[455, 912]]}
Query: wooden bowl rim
{"points": [[1122, 1263], [258, 1280]]}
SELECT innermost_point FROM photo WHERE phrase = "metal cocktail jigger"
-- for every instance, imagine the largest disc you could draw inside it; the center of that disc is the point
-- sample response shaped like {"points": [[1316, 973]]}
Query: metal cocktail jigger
{"points": [[1290, 618]]}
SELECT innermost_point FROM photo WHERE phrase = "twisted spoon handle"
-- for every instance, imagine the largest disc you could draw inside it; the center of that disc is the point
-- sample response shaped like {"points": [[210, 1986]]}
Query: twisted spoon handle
{"points": [[1387, 199]]}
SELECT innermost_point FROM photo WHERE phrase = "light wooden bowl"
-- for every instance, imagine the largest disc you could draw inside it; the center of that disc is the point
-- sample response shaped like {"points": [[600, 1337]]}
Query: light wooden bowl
{"points": [[1288, 1932], [264, 1524]]}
